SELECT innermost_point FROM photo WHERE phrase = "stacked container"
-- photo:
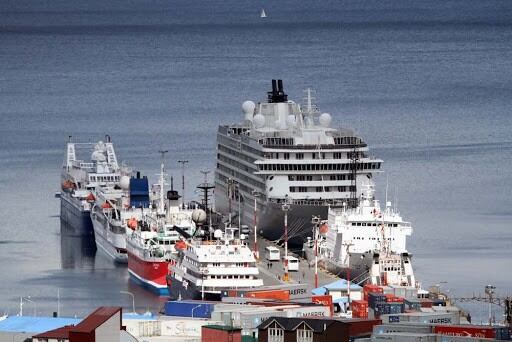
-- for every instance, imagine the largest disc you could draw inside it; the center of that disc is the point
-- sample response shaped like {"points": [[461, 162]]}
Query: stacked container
{"points": [[359, 309]]}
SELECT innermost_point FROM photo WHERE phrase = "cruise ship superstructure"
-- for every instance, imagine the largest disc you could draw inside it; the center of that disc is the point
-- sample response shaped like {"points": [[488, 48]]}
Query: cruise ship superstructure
{"points": [[287, 152], [81, 178]]}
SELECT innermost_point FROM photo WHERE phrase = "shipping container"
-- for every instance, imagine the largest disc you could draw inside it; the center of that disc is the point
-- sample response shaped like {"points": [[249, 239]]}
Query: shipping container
{"points": [[384, 308], [405, 337], [374, 297], [308, 311], [481, 331], [325, 300], [296, 291], [184, 327], [220, 333], [425, 302], [249, 321], [189, 309], [403, 327], [412, 304], [361, 327], [423, 317], [404, 291], [270, 294]]}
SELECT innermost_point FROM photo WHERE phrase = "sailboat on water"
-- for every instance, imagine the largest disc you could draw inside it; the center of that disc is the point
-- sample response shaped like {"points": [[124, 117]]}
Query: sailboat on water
{"points": [[263, 14]]}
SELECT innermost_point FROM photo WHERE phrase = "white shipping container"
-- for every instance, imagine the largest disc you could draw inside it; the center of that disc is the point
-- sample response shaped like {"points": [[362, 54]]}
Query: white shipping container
{"points": [[142, 327], [309, 311], [249, 321], [421, 317], [405, 337], [402, 327], [185, 327]]}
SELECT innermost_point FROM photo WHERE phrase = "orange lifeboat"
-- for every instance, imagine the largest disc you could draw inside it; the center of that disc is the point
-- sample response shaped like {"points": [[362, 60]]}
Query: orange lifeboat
{"points": [[90, 197], [106, 205], [324, 228], [132, 223], [67, 185], [180, 245]]}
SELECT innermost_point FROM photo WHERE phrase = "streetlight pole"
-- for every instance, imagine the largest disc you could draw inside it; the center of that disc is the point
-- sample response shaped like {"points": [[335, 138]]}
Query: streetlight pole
{"points": [[256, 251], [133, 299], [183, 162], [28, 300], [316, 220], [285, 207], [192, 311]]}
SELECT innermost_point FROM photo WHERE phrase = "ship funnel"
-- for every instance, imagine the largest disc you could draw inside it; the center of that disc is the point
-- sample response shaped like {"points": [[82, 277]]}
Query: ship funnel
{"points": [[277, 94]]}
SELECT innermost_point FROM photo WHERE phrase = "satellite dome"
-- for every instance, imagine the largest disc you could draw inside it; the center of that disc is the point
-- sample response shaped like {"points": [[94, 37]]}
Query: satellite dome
{"points": [[98, 156], [217, 234], [325, 119], [125, 182], [198, 216], [248, 107], [258, 120]]}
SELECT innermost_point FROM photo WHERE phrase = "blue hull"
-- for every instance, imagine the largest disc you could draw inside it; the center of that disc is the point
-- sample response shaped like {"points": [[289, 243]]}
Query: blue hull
{"points": [[76, 221], [159, 291]]}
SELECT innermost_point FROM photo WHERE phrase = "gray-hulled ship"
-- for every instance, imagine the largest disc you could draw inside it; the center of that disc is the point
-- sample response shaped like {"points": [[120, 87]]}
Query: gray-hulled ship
{"points": [[285, 152], [79, 180]]}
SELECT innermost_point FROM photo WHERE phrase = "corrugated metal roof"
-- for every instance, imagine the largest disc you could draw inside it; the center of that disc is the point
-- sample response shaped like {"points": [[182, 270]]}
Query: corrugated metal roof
{"points": [[341, 284], [35, 324]]}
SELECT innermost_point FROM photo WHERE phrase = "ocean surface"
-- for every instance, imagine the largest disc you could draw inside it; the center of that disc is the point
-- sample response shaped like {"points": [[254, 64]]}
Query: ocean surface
{"points": [[427, 84]]}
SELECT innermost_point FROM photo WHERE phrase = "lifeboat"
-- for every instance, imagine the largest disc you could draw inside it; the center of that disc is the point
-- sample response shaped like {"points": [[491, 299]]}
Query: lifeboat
{"points": [[324, 229], [132, 223], [106, 205], [180, 245], [90, 197], [68, 185]]}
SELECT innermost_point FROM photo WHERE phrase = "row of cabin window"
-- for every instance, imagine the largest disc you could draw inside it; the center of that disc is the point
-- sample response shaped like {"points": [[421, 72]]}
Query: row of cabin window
{"points": [[238, 175], [104, 178], [322, 188], [317, 167], [235, 153], [373, 238], [320, 177], [230, 276], [315, 155], [374, 224]]}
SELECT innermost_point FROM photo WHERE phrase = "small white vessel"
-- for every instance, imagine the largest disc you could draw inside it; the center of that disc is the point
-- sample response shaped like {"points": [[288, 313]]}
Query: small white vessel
{"points": [[263, 14]]}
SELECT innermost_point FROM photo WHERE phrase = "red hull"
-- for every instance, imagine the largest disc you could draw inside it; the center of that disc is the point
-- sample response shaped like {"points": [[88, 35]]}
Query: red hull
{"points": [[148, 271]]}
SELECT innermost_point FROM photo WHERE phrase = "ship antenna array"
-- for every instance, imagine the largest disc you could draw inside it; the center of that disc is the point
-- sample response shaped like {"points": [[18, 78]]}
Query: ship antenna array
{"points": [[162, 181], [206, 187]]}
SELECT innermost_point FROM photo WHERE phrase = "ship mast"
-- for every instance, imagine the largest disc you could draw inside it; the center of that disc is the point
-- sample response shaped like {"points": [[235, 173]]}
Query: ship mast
{"points": [[161, 202]]}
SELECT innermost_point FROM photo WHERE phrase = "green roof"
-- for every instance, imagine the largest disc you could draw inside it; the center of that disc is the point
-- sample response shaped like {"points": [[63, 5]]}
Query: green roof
{"points": [[221, 327]]}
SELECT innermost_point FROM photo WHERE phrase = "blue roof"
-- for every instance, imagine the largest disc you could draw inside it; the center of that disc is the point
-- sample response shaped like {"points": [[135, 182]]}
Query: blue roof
{"points": [[319, 291], [134, 315], [341, 300], [341, 284], [35, 324]]}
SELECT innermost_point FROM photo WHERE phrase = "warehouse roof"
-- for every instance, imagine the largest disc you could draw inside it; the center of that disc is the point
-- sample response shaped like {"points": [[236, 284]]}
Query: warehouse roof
{"points": [[35, 324]]}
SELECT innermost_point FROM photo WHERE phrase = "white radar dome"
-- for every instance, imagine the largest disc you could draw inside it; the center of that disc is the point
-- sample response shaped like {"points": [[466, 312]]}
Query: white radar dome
{"points": [[217, 234], [248, 107], [125, 183], [258, 120], [325, 119], [198, 216], [98, 156]]}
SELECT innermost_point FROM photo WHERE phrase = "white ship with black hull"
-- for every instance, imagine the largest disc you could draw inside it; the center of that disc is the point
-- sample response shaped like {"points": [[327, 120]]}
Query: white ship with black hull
{"points": [[288, 152], [80, 179]]}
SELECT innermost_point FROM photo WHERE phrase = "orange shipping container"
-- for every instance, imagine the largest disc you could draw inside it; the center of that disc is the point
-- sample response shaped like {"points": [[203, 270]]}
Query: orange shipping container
{"points": [[270, 294]]}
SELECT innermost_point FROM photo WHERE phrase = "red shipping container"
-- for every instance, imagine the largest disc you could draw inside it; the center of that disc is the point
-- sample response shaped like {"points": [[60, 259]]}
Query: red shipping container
{"points": [[270, 294], [325, 300], [426, 303], [466, 330], [360, 327], [367, 288], [219, 333]]}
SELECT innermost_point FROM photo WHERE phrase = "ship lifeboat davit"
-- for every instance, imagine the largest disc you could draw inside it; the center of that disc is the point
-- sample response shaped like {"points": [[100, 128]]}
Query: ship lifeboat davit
{"points": [[106, 205], [90, 197], [132, 223]]}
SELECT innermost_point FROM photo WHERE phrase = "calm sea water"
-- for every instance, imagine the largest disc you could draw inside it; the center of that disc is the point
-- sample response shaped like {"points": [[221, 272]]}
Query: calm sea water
{"points": [[427, 84]]}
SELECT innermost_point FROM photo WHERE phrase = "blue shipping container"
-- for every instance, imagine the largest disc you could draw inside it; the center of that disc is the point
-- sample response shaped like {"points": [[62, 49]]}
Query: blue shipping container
{"points": [[503, 334], [374, 298], [383, 308], [189, 309]]}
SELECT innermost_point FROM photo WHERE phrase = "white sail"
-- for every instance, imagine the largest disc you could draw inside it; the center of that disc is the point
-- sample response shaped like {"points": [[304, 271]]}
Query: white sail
{"points": [[263, 14]]}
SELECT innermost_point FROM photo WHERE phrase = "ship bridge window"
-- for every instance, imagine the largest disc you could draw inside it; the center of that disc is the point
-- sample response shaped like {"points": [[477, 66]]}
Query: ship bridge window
{"points": [[299, 155], [359, 223], [353, 223], [286, 155]]}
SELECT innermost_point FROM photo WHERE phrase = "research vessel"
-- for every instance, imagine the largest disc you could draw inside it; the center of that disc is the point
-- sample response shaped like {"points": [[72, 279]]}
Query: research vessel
{"points": [[80, 178], [286, 152]]}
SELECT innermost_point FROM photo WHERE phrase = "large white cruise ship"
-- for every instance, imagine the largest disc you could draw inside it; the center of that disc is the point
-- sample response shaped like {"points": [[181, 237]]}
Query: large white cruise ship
{"points": [[287, 152]]}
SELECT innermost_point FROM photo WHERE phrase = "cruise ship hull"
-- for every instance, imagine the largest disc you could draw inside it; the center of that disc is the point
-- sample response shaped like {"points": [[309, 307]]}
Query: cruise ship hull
{"points": [[110, 242], [149, 274], [76, 220], [178, 291], [271, 217]]}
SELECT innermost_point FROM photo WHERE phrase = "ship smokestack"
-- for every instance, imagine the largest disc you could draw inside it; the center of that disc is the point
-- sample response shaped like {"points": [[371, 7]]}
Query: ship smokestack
{"points": [[277, 94]]}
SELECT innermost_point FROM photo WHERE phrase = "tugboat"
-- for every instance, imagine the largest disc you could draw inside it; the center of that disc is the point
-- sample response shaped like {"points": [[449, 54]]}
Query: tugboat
{"points": [[203, 269], [81, 178], [285, 152], [364, 243]]}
